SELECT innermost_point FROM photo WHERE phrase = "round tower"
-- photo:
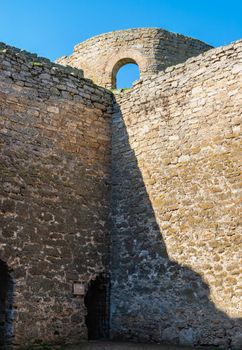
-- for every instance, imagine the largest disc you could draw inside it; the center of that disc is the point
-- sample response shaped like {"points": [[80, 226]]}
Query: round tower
{"points": [[152, 49]]}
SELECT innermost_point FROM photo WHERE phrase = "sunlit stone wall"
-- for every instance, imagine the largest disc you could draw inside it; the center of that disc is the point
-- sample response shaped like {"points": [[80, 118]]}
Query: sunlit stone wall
{"points": [[55, 170], [153, 49], [176, 195]]}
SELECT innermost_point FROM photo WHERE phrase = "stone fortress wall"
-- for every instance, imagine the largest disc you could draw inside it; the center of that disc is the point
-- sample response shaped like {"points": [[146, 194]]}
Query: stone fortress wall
{"points": [[176, 195], [153, 49], [55, 170], [162, 159]]}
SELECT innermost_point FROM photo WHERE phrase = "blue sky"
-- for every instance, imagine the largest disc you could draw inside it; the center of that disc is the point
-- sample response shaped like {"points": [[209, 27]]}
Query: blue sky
{"points": [[52, 27]]}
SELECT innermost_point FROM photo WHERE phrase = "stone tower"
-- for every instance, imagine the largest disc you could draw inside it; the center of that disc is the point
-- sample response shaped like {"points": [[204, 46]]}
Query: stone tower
{"points": [[152, 49], [120, 210]]}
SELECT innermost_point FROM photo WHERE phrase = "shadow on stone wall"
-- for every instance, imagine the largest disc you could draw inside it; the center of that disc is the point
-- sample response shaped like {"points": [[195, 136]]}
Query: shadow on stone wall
{"points": [[154, 299]]}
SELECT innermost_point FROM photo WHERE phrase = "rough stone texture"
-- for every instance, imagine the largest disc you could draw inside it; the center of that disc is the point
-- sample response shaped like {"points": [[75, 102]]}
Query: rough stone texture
{"points": [[55, 168], [153, 49], [176, 191], [175, 238]]}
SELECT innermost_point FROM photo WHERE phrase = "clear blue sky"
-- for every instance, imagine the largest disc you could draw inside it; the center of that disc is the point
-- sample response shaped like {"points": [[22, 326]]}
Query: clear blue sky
{"points": [[52, 27]]}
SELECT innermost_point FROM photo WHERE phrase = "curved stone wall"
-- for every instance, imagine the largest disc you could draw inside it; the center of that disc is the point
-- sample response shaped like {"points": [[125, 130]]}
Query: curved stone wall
{"points": [[176, 189], [172, 188], [153, 50], [54, 204]]}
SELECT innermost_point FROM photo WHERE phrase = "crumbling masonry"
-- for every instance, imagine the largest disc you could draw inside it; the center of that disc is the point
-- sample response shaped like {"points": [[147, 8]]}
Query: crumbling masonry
{"points": [[120, 210]]}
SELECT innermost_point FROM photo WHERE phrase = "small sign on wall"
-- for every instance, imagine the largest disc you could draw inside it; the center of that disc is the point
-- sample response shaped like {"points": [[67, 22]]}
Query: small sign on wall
{"points": [[78, 288]]}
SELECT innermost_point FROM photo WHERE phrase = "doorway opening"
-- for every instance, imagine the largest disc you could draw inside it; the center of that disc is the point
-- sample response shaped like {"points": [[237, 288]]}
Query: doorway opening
{"points": [[96, 302], [6, 306], [125, 72]]}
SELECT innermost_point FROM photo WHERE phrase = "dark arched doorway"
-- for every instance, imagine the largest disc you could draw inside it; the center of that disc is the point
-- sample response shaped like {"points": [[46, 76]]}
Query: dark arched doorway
{"points": [[97, 305], [124, 73], [6, 306]]}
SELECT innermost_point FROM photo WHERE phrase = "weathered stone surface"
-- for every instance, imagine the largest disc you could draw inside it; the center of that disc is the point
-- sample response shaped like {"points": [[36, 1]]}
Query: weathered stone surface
{"points": [[152, 49], [171, 186], [55, 167], [176, 167]]}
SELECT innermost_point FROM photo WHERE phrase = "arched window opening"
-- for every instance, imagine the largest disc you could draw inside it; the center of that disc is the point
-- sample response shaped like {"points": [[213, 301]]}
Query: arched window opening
{"points": [[96, 302], [6, 306], [127, 75], [125, 72]]}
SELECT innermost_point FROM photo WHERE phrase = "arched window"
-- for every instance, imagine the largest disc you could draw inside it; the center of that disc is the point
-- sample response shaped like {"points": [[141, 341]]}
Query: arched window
{"points": [[6, 306], [124, 73]]}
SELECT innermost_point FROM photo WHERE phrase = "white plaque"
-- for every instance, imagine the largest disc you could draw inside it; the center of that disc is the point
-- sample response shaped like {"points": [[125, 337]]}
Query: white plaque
{"points": [[78, 288]]}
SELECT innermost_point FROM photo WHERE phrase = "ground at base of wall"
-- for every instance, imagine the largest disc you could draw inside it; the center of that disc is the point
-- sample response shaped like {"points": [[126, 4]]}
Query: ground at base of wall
{"points": [[108, 345], [113, 345]]}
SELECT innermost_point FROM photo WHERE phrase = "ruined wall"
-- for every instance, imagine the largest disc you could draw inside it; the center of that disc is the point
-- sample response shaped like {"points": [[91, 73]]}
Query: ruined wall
{"points": [[175, 167], [153, 49], [176, 192], [55, 167]]}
